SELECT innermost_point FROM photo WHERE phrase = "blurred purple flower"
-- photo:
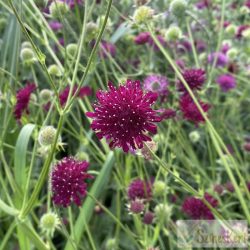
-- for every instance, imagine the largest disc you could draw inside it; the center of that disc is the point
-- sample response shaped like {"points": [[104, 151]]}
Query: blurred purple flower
{"points": [[157, 84], [222, 59], [226, 82], [55, 25]]}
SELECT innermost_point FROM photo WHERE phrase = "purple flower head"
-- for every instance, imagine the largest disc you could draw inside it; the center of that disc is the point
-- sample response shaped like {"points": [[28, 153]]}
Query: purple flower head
{"points": [[107, 48], [218, 188], [22, 100], [148, 218], [229, 187], [142, 38], [246, 146], [190, 110], [200, 45], [123, 115], [157, 84], [241, 29], [203, 4], [68, 181], [71, 3], [140, 189], [136, 206], [84, 91], [247, 3], [55, 25], [225, 48], [195, 78], [167, 114], [196, 208], [222, 59], [184, 46], [226, 82]]}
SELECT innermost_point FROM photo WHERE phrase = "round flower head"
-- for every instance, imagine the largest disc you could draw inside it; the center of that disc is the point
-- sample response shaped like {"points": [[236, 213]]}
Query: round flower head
{"points": [[148, 218], [195, 78], [173, 33], [178, 7], [124, 114], [159, 188], [143, 14], [152, 43], [222, 59], [58, 8], [190, 110], [23, 98], [107, 48], [136, 206], [45, 95], [140, 189], [49, 222], [68, 181], [47, 135], [71, 49], [27, 55], [55, 25], [194, 136], [142, 38], [157, 84], [163, 212], [226, 82], [196, 209]]}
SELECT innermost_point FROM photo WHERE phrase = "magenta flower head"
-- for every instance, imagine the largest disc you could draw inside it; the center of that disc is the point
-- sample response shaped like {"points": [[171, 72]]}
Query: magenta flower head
{"points": [[157, 84], [140, 189], [123, 115], [84, 91], [142, 38], [190, 110], [68, 181], [226, 82], [55, 25], [22, 100], [241, 29], [196, 208], [203, 4], [152, 43], [71, 3], [222, 59], [107, 48], [195, 78]]}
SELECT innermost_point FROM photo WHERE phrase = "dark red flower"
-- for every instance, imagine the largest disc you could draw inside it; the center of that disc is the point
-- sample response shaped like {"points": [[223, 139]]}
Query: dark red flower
{"points": [[140, 189], [142, 38], [23, 98], [240, 30], [107, 48], [123, 115], [190, 110], [168, 114], [84, 91], [229, 187], [148, 218], [218, 188], [196, 208], [152, 43], [68, 181], [195, 78]]}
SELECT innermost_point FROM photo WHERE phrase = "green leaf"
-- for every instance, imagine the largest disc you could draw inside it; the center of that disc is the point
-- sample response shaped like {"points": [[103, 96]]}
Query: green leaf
{"points": [[89, 204], [20, 155]]}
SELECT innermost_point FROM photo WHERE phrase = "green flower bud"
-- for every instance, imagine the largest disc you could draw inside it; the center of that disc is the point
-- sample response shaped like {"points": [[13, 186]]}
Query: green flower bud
{"points": [[82, 156], [71, 49], [194, 136], [163, 212], [143, 14], [178, 7], [244, 10], [49, 222], [159, 188], [58, 8], [100, 21], [91, 31], [232, 53], [33, 98], [47, 135], [173, 33], [246, 34], [45, 95], [111, 244], [27, 55], [231, 29], [54, 70]]}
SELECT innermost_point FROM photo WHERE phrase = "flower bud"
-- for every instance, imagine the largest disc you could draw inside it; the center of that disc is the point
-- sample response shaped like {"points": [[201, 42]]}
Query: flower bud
{"points": [[194, 136], [244, 10], [71, 49], [91, 31], [54, 70], [100, 22], [27, 55], [58, 8], [232, 53], [173, 33], [246, 34], [148, 218], [143, 14], [231, 29], [159, 188], [49, 222], [45, 95], [47, 135], [82, 156], [178, 7], [163, 212], [26, 44], [136, 206]]}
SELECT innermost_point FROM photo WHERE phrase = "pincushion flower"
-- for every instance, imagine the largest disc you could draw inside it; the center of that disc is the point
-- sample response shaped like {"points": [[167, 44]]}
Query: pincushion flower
{"points": [[157, 84], [226, 82], [190, 110], [23, 98], [107, 48], [68, 181], [140, 189], [196, 208], [195, 78], [222, 59], [142, 38], [123, 115]]}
